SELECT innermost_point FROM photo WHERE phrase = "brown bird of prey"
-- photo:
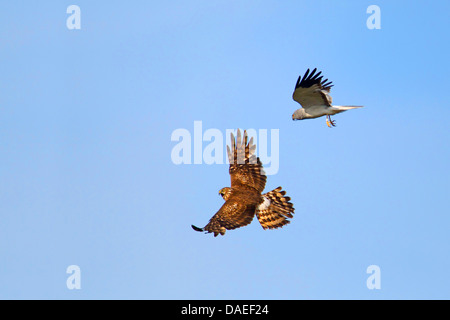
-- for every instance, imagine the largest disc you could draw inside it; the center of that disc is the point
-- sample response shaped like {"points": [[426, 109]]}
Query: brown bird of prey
{"points": [[313, 94], [244, 199]]}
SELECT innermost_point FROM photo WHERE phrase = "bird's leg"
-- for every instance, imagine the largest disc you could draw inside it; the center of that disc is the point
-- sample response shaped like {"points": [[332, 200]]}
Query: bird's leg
{"points": [[330, 122], [333, 122]]}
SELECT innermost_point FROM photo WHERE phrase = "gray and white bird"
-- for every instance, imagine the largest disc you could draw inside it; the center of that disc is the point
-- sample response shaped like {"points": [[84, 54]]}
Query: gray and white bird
{"points": [[313, 94]]}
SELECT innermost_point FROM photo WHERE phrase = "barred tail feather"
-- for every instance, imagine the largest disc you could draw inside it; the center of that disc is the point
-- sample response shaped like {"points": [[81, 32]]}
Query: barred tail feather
{"points": [[275, 210]]}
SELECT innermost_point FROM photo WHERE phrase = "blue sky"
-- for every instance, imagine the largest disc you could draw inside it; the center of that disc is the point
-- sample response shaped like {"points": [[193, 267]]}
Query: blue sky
{"points": [[86, 176]]}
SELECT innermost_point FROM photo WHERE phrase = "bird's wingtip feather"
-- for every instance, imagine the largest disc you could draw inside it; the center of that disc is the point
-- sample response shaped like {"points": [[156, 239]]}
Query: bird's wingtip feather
{"points": [[197, 228]]}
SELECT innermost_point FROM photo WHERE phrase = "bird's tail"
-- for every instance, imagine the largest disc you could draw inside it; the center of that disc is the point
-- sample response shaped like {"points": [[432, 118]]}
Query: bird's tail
{"points": [[275, 209], [344, 108]]}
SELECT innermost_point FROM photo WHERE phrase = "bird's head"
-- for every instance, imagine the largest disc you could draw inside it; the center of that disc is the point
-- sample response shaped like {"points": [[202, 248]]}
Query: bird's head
{"points": [[299, 114], [225, 193]]}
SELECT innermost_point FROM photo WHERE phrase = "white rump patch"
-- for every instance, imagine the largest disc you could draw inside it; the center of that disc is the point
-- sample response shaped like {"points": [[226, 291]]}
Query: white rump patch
{"points": [[265, 205]]}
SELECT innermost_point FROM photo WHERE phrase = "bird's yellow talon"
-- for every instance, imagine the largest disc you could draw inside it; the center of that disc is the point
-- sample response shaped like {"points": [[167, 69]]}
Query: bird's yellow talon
{"points": [[331, 123]]}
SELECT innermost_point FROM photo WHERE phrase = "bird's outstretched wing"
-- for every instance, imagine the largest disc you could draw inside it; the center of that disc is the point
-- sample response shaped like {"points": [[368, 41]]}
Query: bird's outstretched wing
{"points": [[246, 170], [247, 183], [235, 212], [311, 90]]}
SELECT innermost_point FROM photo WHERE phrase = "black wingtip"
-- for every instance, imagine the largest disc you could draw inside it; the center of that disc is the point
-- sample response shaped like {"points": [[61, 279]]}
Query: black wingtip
{"points": [[196, 228], [311, 78]]}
